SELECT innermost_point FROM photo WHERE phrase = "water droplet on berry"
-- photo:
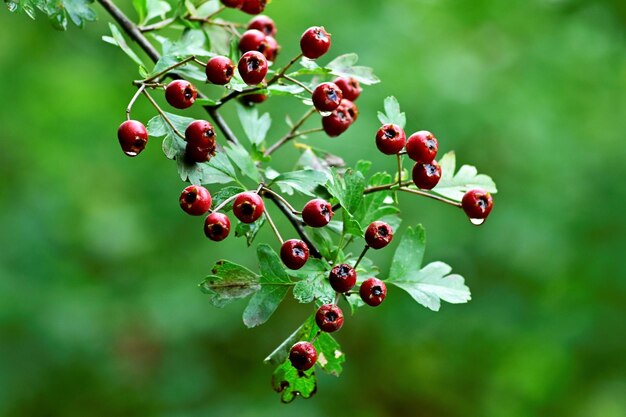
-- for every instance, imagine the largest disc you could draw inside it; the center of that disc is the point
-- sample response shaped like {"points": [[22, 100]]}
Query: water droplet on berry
{"points": [[477, 222]]}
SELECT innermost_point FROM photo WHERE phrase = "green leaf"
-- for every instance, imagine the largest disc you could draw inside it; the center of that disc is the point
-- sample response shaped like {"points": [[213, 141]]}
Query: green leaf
{"points": [[314, 284], [249, 230], [188, 71], [291, 383], [351, 226], [141, 7], [347, 189], [229, 282], [255, 127], [117, 39], [409, 255], [392, 113], [309, 67], [285, 90], [318, 160], [191, 43], [329, 354], [275, 284], [242, 159], [220, 39], [153, 9], [304, 181], [224, 194], [344, 66], [79, 11], [281, 353], [455, 186], [172, 143]]}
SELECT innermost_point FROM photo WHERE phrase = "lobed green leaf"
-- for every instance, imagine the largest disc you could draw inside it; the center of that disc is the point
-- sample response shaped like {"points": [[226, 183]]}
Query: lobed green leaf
{"points": [[392, 113], [454, 186], [229, 282]]}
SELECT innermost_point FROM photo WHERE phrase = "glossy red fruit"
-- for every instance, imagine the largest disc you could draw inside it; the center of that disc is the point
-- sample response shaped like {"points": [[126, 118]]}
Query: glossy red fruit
{"points": [[133, 137], [327, 97], [272, 48], [337, 122], [422, 147], [477, 204], [351, 109], [390, 139], [317, 213], [201, 134], [195, 200], [252, 40], [329, 318], [315, 42], [252, 67], [253, 6], [294, 253], [350, 87], [235, 4], [263, 23], [180, 94], [248, 207], [303, 356], [219, 70], [426, 175], [198, 153], [251, 99], [217, 226], [373, 291], [378, 235], [342, 278]]}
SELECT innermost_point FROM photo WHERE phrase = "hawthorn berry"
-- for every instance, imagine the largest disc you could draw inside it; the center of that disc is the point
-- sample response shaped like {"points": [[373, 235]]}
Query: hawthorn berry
{"points": [[378, 235], [303, 356], [329, 318], [294, 253], [219, 70], [248, 207], [263, 23], [200, 137], [195, 200], [252, 67], [477, 204], [422, 147], [337, 122], [327, 97], [271, 48], [373, 291], [180, 94], [342, 278], [315, 42], [251, 99], [252, 40], [197, 153], [217, 226], [350, 87], [235, 4], [317, 213], [350, 108], [133, 137], [426, 175], [253, 6], [390, 139]]}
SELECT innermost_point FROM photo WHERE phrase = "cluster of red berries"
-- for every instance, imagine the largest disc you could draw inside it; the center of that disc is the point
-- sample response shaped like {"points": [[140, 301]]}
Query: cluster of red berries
{"points": [[246, 6]]}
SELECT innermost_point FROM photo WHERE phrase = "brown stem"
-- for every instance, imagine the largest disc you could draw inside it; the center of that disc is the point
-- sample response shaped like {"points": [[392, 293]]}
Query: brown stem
{"points": [[163, 115], [273, 226], [282, 72], [291, 134], [299, 83], [429, 195], [132, 100]]}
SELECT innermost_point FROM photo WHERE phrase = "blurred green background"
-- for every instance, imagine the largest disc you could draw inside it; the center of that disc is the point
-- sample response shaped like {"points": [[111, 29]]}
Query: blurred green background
{"points": [[100, 313]]}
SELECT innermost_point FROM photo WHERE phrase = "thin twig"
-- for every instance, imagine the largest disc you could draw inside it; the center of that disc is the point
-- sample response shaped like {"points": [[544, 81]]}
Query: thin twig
{"points": [[358, 261], [132, 100], [297, 82], [168, 69], [291, 134], [274, 228], [157, 25], [163, 115], [281, 198], [223, 204], [433, 196], [399, 171], [282, 72]]}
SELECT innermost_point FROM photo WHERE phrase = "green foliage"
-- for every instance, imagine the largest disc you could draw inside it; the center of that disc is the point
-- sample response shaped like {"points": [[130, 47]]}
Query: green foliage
{"points": [[392, 113], [454, 185], [58, 11], [254, 126]]}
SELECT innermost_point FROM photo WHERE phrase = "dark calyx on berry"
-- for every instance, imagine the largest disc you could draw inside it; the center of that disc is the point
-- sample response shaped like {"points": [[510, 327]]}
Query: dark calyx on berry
{"points": [[342, 278], [327, 97], [378, 235], [220, 70], [303, 356], [248, 207], [217, 226], [350, 87], [390, 139], [337, 122], [252, 40], [373, 291], [294, 253], [329, 318], [317, 213], [271, 48], [253, 6], [351, 109], [133, 137], [422, 147], [195, 200], [235, 4], [180, 94], [200, 138], [315, 42], [477, 204], [252, 67], [426, 175], [263, 23]]}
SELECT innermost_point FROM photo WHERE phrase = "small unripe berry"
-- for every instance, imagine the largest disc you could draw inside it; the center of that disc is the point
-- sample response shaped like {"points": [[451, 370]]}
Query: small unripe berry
{"points": [[422, 147], [327, 97], [217, 226], [219, 70], [315, 42], [329, 318], [477, 204], [248, 207], [378, 235], [317, 213], [252, 67], [426, 175], [350, 87], [253, 6], [235, 4], [303, 356], [373, 291], [180, 94], [133, 137], [294, 253], [263, 23], [390, 139], [252, 40], [195, 200], [337, 122], [342, 278]]}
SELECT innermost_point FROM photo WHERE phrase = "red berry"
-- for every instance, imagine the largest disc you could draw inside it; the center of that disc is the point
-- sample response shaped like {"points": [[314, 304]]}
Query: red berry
{"points": [[180, 94], [252, 67], [315, 42], [248, 207], [327, 97], [235, 4], [426, 175], [351, 109], [477, 204], [197, 153], [217, 226], [294, 253], [342, 278], [271, 48], [329, 318], [317, 213], [422, 147], [303, 356], [252, 40], [219, 70], [195, 200], [253, 6], [200, 137], [350, 87], [251, 99], [373, 291], [378, 235], [133, 137], [390, 139], [263, 23], [337, 122]]}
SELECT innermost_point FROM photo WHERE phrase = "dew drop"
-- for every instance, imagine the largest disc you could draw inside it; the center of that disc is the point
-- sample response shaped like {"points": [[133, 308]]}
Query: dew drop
{"points": [[477, 222], [131, 153]]}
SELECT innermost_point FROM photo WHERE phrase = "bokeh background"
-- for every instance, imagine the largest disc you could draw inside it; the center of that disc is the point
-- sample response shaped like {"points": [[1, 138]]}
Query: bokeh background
{"points": [[100, 313]]}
